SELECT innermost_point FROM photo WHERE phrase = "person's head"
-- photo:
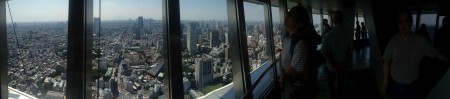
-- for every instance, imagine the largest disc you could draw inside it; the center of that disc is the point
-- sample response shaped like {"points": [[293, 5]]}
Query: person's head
{"points": [[362, 24], [325, 21], [337, 17], [423, 28], [405, 21], [445, 23], [297, 19]]}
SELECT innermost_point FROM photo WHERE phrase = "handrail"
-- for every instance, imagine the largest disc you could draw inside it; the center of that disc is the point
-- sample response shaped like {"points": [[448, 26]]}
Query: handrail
{"points": [[250, 90]]}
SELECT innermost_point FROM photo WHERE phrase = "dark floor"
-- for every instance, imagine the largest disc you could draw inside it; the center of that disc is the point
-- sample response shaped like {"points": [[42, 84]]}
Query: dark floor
{"points": [[360, 57]]}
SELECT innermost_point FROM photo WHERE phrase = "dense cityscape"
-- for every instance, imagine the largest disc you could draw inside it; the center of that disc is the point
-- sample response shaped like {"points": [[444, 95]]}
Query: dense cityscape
{"points": [[127, 57]]}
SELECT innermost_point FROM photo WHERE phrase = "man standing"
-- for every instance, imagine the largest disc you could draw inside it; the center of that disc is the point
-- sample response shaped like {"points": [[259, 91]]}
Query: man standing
{"points": [[337, 53]]}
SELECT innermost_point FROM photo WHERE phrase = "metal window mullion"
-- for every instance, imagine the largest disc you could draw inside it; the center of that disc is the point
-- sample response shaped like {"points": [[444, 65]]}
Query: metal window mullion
{"points": [[3, 52], [270, 49], [76, 70], [321, 21], [283, 11], [269, 32], [418, 17], [89, 18], [172, 54], [238, 47]]}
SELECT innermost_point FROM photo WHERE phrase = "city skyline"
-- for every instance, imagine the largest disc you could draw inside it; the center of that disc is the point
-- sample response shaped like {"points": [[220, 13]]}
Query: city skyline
{"points": [[57, 10]]}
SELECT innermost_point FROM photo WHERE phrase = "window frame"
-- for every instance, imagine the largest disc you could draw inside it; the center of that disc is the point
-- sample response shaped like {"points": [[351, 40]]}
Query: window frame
{"points": [[80, 43]]}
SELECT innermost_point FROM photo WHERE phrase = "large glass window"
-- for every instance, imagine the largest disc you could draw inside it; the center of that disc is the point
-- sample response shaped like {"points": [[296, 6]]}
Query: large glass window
{"points": [[127, 49], [37, 45], [276, 31], [317, 21], [359, 19], [205, 47], [256, 35], [428, 24]]}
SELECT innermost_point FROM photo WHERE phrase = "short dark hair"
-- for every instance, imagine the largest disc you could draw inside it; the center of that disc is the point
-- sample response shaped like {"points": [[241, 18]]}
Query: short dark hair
{"points": [[325, 20], [300, 15]]}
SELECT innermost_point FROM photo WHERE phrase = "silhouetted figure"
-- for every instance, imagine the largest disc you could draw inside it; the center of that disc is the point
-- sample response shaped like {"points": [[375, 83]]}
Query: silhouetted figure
{"points": [[363, 31], [299, 44], [326, 27], [442, 38], [358, 31], [402, 58], [424, 32], [337, 52]]}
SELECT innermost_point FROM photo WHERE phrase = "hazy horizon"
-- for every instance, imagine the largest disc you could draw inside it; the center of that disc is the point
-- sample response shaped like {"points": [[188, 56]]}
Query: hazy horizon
{"points": [[57, 10]]}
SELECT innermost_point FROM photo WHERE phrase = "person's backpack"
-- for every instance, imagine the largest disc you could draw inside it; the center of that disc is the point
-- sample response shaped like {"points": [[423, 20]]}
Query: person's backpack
{"points": [[313, 40], [314, 58]]}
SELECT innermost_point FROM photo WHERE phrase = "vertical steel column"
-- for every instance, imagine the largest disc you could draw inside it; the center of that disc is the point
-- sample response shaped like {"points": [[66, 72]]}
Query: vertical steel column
{"points": [[3, 52], [321, 23], [173, 82], [418, 17], [238, 46], [89, 38], [76, 53]]}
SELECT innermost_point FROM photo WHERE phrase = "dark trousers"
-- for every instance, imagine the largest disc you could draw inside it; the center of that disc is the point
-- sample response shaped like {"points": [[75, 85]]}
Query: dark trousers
{"points": [[336, 83], [364, 80], [401, 91]]}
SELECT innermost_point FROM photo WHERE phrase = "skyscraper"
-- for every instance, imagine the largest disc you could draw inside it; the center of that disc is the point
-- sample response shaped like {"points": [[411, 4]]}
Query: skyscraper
{"points": [[217, 25], [113, 86], [214, 39], [192, 37], [137, 32], [159, 45], [203, 72], [141, 22], [96, 25]]}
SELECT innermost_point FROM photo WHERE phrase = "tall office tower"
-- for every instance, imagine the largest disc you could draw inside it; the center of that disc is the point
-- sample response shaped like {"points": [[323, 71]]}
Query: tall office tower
{"points": [[96, 25], [203, 72], [113, 86], [137, 32], [214, 39], [217, 25], [192, 37], [140, 22]]}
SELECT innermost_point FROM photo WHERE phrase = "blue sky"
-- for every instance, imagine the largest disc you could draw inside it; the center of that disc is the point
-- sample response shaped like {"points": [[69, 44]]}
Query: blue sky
{"points": [[57, 10], [38, 10]]}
